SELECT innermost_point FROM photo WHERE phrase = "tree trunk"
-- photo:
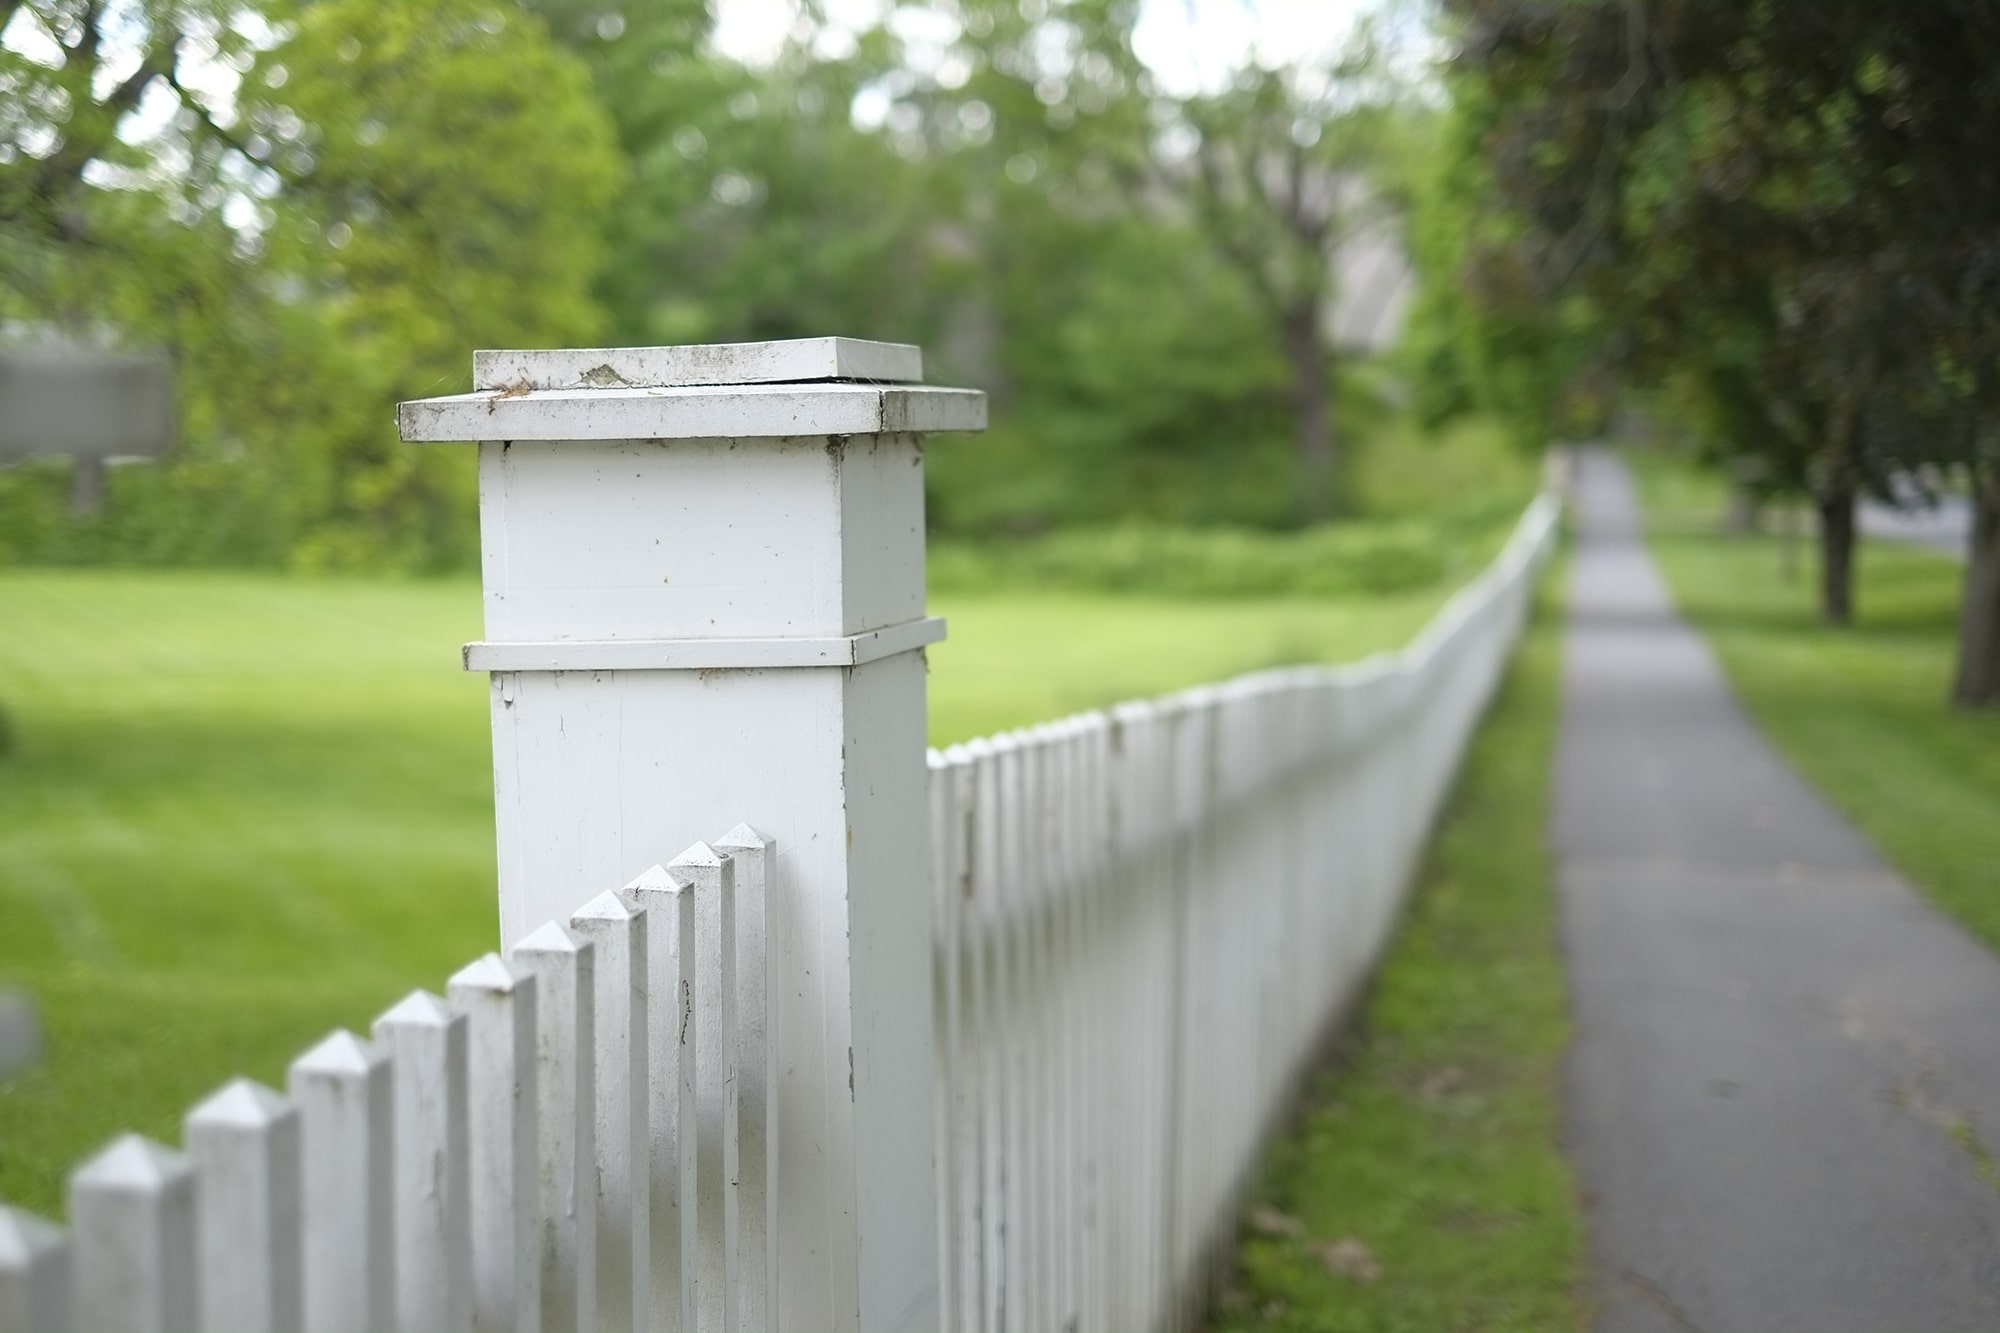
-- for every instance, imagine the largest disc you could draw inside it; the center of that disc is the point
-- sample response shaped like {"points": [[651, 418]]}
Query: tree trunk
{"points": [[1977, 684], [1312, 407], [1836, 555]]}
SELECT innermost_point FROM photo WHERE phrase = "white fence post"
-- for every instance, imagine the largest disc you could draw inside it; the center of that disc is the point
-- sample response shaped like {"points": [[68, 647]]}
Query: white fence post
{"points": [[667, 908], [617, 936], [34, 1275], [245, 1144], [431, 1134], [498, 1002], [346, 1109], [705, 597], [754, 856], [717, 1269], [565, 1004], [131, 1209]]}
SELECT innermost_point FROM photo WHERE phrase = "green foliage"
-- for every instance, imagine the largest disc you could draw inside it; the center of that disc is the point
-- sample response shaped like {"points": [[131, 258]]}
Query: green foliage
{"points": [[1403, 469], [1482, 336], [1432, 1151], [1784, 216], [1137, 398], [1137, 278], [446, 201], [397, 184], [1332, 560]]}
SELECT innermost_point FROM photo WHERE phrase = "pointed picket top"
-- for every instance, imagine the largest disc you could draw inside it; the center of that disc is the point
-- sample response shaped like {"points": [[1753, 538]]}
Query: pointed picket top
{"points": [[419, 1008], [341, 1052], [657, 879], [606, 906], [133, 1162], [25, 1238], [487, 973], [701, 856], [241, 1104], [551, 937], [743, 838]]}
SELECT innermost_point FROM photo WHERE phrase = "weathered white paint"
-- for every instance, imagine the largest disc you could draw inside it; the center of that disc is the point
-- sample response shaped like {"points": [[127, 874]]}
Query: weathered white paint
{"points": [[502, 1082], [795, 360], [426, 1045], [668, 912], [34, 1274], [754, 857], [565, 1003], [617, 937], [346, 1113], [732, 412], [704, 654], [717, 1268], [702, 540], [244, 1142], [132, 1220], [627, 533]]}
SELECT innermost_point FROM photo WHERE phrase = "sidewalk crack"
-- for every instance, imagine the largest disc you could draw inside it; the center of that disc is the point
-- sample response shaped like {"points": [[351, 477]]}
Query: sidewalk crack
{"points": [[1657, 1295]]}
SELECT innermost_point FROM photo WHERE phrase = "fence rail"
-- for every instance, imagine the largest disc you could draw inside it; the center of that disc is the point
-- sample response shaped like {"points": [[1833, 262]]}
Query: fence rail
{"points": [[1143, 922]]}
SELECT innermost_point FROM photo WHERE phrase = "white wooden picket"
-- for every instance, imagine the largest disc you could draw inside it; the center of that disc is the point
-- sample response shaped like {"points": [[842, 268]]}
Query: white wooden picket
{"points": [[346, 1108]]}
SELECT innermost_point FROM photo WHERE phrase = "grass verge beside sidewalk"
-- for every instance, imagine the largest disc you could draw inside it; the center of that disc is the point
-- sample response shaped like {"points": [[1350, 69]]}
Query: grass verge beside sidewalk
{"points": [[1860, 711], [1423, 1188]]}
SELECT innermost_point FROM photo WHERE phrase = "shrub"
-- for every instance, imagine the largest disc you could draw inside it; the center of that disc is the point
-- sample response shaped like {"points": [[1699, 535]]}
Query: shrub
{"points": [[1346, 559]]}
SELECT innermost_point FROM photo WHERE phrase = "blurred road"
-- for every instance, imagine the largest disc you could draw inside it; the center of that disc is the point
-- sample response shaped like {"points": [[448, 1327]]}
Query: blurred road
{"points": [[1785, 1062]]}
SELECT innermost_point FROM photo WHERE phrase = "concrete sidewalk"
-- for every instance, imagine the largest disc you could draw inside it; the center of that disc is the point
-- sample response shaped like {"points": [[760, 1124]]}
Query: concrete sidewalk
{"points": [[1785, 1061]]}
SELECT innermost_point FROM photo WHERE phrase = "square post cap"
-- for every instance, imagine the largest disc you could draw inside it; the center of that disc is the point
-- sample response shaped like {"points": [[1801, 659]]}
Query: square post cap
{"points": [[767, 390]]}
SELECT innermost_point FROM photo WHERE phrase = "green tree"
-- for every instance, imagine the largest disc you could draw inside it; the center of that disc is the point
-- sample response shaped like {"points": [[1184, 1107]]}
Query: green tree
{"points": [[383, 187], [1287, 169], [1791, 202], [443, 167]]}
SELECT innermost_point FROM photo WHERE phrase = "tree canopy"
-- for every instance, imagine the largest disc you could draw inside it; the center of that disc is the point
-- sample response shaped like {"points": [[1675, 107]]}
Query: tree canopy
{"points": [[320, 206], [1780, 219]]}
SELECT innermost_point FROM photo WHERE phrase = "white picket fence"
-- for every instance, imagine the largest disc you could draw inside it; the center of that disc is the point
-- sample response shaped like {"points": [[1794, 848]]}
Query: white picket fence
{"points": [[1144, 921], [571, 1138]]}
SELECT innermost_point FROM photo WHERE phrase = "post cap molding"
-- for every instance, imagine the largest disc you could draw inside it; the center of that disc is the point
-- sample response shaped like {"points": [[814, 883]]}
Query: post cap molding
{"points": [[724, 412], [793, 361]]}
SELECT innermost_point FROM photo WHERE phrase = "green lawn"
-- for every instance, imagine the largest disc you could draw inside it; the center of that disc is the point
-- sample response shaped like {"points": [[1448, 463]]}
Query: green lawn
{"points": [[1423, 1189], [1861, 711], [240, 810]]}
